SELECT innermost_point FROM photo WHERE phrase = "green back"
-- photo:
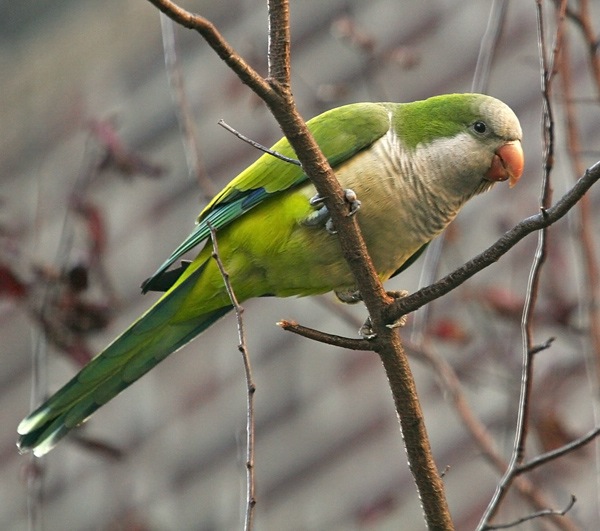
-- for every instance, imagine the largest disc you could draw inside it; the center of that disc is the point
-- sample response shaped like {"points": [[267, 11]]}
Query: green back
{"points": [[340, 133]]}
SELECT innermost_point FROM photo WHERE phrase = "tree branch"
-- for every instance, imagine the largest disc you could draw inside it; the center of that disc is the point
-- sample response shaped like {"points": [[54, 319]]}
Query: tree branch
{"points": [[547, 70], [590, 292], [183, 110], [250, 387], [278, 97], [559, 452], [257, 145], [538, 514], [221, 47], [279, 43], [450, 383], [323, 337]]}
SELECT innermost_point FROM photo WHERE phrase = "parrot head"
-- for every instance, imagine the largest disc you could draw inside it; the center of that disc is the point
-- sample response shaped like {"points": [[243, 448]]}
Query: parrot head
{"points": [[505, 132], [472, 140]]}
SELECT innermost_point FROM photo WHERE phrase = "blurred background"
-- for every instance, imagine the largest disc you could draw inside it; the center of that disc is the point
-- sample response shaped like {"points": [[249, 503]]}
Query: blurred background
{"points": [[96, 191]]}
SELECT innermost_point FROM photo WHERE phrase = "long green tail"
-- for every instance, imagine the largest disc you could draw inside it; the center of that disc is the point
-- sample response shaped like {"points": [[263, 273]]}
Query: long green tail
{"points": [[141, 347]]}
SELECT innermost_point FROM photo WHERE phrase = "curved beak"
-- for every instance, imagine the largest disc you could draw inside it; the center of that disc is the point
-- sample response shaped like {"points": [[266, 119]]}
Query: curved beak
{"points": [[507, 163]]}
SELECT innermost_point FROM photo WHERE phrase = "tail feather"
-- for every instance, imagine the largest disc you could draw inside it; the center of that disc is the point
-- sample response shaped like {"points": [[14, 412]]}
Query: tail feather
{"points": [[141, 347]]}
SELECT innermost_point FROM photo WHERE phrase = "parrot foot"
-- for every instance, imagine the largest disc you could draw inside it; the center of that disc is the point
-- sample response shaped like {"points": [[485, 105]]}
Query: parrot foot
{"points": [[321, 215], [352, 199], [366, 330], [348, 296]]}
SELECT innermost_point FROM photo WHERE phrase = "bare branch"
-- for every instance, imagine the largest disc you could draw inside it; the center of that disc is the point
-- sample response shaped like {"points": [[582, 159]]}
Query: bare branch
{"points": [[256, 145], [323, 337], [545, 512], [522, 427], [279, 43], [585, 229], [250, 387], [583, 19], [183, 111], [559, 452], [452, 387], [221, 47], [542, 246]]}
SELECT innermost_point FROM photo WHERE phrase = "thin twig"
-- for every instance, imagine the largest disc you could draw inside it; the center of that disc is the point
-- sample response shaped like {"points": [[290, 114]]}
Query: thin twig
{"points": [[586, 237], [183, 110], [451, 385], [250, 387], [544, 512], [541, 251], [324, 337], [257, 145], [583, 19], [535, 349], [559, 452]]}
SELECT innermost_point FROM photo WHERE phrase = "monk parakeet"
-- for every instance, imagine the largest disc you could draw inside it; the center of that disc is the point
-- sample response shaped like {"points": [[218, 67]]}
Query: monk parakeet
{"points": [[409, 166]]}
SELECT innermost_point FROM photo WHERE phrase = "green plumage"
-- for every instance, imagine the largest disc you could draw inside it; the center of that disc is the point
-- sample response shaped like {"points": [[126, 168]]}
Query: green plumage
{"points": [[412, 166]]}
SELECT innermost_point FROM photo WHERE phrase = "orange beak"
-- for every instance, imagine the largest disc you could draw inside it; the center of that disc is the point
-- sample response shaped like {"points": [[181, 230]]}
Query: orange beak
{"points": [[507, 164]]}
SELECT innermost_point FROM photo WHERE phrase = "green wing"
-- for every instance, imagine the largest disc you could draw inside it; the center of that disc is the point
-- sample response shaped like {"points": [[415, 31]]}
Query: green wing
{"points": [[340, 133]]}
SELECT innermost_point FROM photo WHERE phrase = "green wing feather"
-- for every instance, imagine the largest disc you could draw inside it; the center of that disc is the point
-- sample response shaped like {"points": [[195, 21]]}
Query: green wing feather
{"points": [[340, 133]]}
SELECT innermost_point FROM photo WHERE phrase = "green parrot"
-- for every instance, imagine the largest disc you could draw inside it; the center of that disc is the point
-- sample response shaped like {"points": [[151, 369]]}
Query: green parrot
{"points": [[407, 169]]}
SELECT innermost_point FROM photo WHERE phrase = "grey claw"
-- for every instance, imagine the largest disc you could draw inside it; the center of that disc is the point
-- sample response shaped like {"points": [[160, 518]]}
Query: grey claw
{"points": [[318, 217], [366, 330], [349, 296], [352, 198], [397, 324], [315, 200], [321, 215], [398, 295], [329, 227]]}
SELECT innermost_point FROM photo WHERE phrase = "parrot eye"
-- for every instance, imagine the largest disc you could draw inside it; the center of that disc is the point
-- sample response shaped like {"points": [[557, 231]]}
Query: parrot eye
{"points": [[480, 127]]}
